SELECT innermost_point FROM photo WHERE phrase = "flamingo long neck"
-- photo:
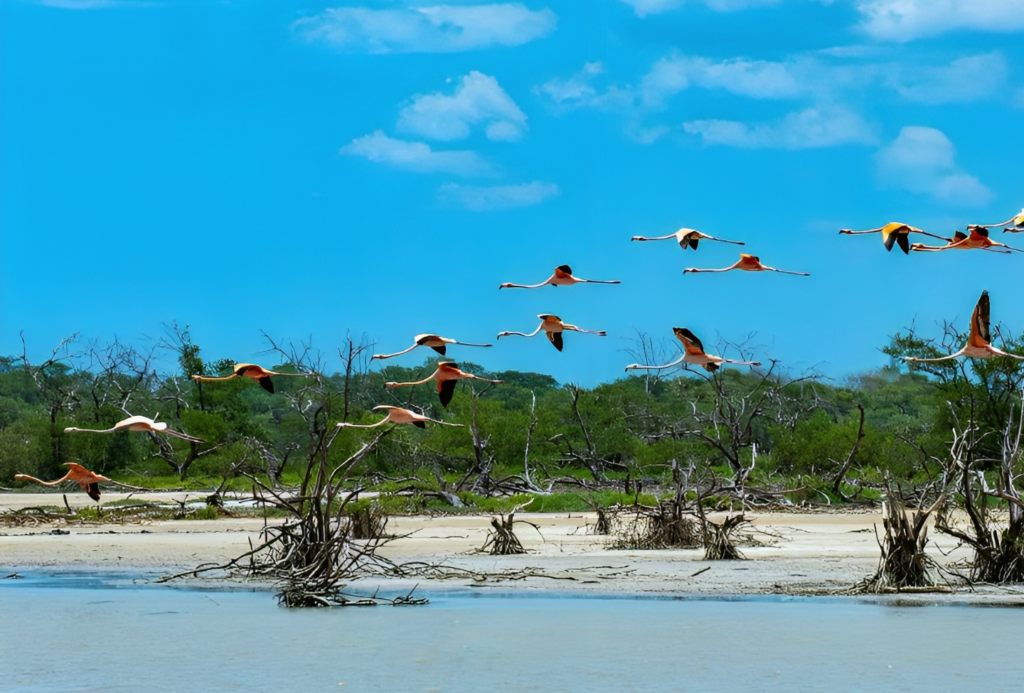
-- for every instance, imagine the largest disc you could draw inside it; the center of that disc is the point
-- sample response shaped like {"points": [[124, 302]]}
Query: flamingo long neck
{"points": [[523, 334], [397, 353], [1004, 223], [205, 378], [72, 429], [941, 358], [724, 269], [740, 363], [661, 368], [654, 238], [26, 477], [383, 421], [418, 382]]}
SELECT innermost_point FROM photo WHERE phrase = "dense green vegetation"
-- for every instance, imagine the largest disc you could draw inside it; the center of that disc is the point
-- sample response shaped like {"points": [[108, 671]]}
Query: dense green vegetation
{"points": [[794, 430]]}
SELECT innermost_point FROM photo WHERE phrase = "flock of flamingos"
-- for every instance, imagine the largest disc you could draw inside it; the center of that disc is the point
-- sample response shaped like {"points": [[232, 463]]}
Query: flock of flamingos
{"points": [[448, 374]]}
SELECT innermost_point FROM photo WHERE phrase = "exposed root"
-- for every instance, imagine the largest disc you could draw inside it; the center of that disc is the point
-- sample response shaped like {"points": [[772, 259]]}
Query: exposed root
{"points": [[903, 565], [720, 540], [502, 539], [665, 526]]}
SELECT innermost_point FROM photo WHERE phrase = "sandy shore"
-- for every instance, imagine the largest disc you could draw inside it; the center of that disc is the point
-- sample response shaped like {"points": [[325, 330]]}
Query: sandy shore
{"points": [[806, 553]]}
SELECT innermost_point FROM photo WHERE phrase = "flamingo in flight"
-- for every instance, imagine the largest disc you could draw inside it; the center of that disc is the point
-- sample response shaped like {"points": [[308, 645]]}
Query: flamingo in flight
{"points": [[693, 352], [89, 481], [553, 328], [137, 423], [435, 342], [686, 237], [747, 263], [561, 277], [979, 341], [397, 415], [1016, 223], [250, 370], [895, 233], [447, 376], [976, 238]]}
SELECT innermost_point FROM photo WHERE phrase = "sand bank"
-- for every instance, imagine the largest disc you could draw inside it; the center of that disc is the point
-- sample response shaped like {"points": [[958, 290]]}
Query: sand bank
{"points": [[806, 553]]}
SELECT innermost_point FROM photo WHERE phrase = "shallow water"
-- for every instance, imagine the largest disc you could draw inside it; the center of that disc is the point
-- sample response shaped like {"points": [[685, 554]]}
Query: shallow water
{"points": [[66, 634]]}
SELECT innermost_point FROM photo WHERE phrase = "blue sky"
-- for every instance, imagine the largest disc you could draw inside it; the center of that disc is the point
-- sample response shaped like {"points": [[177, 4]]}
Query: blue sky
{"points": [[381, 167]]}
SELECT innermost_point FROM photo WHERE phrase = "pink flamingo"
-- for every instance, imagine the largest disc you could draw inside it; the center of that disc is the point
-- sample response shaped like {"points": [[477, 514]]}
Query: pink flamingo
{"points": [[693, 352], [553, 328], [447, 376], [561, 277], [747, 263]]}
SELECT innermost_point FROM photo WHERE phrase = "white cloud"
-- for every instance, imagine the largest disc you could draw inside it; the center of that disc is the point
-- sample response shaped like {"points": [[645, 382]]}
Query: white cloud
{"points": [[923, 160], [577, 88], [579, 91], [485, 199], [906, 20], [756, 79], [478, 99], [809, 129], [646, 7], [415, 156], [965, 79], [435, 29]]}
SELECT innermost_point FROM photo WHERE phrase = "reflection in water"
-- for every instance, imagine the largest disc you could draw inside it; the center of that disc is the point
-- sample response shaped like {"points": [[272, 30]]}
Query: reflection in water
{"points": [[58, 638]]}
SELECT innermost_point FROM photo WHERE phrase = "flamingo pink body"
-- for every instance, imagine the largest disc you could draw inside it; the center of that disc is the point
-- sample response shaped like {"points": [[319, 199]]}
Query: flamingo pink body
{"points": [[88, 481]]}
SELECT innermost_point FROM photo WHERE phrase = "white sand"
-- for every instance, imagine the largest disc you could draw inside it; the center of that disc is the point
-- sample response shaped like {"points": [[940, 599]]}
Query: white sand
{"points": [[813, 553]]}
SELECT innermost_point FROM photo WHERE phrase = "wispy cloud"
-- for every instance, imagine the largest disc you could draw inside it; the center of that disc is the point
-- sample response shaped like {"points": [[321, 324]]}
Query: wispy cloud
{"points": [[478, 99], [490, 198], [434, 29], [809, 129], [923, 160], [579, 91], [966, 79], [648, 7], [906, 20], [830, 76], [756, 79], [415, 156]]}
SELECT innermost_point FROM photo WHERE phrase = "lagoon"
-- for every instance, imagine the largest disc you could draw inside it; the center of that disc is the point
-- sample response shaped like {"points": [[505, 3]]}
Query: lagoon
{"points": [[67, 633]]}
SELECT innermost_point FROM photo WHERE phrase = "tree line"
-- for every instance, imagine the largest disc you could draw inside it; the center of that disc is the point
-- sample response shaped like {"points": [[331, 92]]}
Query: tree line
{"points": [[783, 430]]}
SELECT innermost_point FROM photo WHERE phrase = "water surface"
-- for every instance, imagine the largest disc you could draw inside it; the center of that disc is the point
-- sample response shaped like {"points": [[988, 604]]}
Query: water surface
{"points": [[66, 634]]}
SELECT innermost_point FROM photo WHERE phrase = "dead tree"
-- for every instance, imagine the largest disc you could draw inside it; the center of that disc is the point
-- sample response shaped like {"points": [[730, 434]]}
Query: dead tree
{"points": [[588, 456], [57, 387], [850, 458], [903, 566], [673, 523], [998, 549], [501, 539], [728, 423], [315, 550]]}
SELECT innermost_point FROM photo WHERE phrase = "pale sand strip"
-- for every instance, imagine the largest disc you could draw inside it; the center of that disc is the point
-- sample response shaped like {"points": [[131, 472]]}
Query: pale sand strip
{"points": [[815, 553]]}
